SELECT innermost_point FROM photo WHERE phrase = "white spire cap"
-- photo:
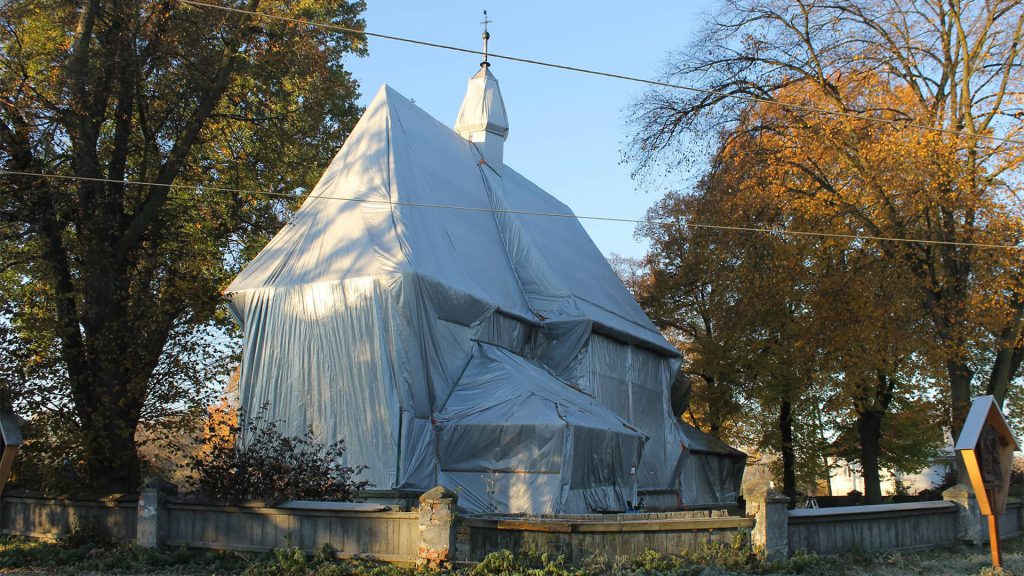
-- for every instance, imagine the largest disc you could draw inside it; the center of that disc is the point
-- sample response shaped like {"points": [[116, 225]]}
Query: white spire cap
{"points": [[482, 118]]}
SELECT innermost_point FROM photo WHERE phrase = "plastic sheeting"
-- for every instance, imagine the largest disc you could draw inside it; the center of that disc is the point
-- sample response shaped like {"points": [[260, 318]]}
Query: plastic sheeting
{"points": [[487, 349], [711, 469], [509, 420], [482, 109]]}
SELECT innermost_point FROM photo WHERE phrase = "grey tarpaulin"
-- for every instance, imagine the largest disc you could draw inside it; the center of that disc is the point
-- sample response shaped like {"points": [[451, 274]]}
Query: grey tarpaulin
{"points": [[514, 432], [492, 351], [711, 469]]}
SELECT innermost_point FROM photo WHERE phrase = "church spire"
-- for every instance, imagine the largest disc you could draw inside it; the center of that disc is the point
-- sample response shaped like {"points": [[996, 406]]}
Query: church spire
{"points": [[482, 119], [486, 36]]}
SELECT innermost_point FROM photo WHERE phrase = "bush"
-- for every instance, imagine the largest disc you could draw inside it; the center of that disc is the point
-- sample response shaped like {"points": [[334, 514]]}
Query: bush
{"points": [[505, 563], [270, 466], [52, 459], [87, 532], [63, 557], [293, 562]]}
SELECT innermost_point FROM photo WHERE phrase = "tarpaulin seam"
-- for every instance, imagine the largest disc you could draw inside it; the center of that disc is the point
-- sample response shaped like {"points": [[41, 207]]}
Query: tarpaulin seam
{"points": [[492, 199]]}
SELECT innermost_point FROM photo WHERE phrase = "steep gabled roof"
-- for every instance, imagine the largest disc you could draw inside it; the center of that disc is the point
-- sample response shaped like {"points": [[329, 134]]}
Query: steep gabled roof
{"points": [[407, 195]]}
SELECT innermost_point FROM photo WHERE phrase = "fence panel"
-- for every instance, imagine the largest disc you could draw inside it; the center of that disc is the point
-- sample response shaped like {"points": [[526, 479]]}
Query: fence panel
{"points": [[581, 536], [866, 528], [351, 532], [54, 518]]}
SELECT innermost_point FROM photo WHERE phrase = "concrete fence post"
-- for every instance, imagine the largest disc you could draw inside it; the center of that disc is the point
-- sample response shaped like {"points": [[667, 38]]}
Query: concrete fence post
{"points": [[151, 523], [968, 518], [437, 527], [770, 510]]}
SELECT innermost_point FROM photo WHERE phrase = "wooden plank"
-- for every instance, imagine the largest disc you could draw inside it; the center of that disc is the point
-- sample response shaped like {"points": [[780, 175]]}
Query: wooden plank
{"points": [[184, 528], [392, 558], [842, 513], [319, 531], [627, 526], [408, 537], [392, 537], [525, 525], [344, 535], [263, 510]]}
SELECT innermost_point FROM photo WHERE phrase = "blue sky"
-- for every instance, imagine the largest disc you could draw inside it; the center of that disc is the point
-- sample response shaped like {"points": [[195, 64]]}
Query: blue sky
{"points": [[566, 129]]}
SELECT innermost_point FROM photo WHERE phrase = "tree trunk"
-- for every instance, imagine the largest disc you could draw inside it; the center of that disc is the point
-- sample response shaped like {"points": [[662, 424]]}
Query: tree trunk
{"points": [[1008, 355], [788, 454], [120, 321], [869, 429], [960, 395], [112, 463], [824, 454]]}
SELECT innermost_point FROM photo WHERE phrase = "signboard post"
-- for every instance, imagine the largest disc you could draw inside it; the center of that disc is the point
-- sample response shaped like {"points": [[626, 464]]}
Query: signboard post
{"points": [[10, 441], [986, 446]]}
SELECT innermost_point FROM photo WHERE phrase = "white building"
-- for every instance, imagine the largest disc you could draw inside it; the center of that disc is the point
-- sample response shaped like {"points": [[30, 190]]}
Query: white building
{"points": [[847, 477]]}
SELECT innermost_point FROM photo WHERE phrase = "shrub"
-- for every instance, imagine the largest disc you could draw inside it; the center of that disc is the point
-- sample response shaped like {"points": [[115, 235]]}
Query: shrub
{"points": [[51, 460], [61, 557], [294, 562], [87, 531], [505, 563], [268, 465]]}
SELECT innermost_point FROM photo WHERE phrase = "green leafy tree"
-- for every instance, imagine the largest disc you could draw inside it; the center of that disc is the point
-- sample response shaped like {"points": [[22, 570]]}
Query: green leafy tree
{"points": [[154, 111]]}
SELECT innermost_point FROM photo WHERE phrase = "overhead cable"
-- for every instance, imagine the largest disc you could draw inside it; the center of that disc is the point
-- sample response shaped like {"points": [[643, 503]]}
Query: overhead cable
{"points": [[740, 97], [752, 229]]}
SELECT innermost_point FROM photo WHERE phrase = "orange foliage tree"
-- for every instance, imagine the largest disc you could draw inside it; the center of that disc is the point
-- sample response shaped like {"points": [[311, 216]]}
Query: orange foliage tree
{"points": [[799, 345], [880, 70]]}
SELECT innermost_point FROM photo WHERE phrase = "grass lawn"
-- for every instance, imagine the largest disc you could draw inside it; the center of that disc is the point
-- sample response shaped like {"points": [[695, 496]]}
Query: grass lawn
{"points": [[23, 557]]}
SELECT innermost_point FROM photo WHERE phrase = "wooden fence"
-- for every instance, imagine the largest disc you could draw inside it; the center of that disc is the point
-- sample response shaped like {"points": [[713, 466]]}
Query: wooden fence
{"points": [[1009, 522], [434, 533], [151, 519], [581, 536], [867, 528], [111, 518], [372, 532], [956, 519]]}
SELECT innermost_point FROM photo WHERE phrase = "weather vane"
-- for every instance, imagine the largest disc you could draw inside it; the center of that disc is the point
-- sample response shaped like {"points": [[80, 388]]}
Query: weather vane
{"points": [[486, 37]]}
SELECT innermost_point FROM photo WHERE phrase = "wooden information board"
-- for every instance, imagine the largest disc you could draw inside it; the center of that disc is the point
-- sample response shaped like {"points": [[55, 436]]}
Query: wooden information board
{"points": [[986, 445]]}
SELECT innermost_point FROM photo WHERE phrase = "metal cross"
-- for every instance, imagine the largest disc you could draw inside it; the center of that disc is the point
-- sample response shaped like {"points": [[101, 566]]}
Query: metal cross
{"points": [[486, 36]]}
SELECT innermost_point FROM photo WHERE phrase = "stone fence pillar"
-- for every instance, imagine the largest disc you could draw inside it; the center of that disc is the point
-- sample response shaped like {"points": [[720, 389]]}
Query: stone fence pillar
{"points": [[437, 526], [968, 518], [151, 526], [770, 510]]}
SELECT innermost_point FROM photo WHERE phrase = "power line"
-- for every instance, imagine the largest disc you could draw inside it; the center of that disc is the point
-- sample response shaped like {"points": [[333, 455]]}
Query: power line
{"points": [[750, 229], [740, 97]]}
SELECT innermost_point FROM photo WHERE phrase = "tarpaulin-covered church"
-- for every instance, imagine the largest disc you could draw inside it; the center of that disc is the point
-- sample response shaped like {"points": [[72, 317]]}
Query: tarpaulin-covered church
{"points": [[455, 325]]}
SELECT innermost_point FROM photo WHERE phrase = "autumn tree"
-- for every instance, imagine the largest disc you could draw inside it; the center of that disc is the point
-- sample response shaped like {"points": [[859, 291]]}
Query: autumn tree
{"points": [[791, 342], [736, 305], [129, 133], [950, 66], [877, 364], [807, 324]]}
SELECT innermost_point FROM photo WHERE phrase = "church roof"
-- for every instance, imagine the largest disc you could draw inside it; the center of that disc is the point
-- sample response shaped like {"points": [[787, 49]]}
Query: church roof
{"points": [[408, 195]]}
